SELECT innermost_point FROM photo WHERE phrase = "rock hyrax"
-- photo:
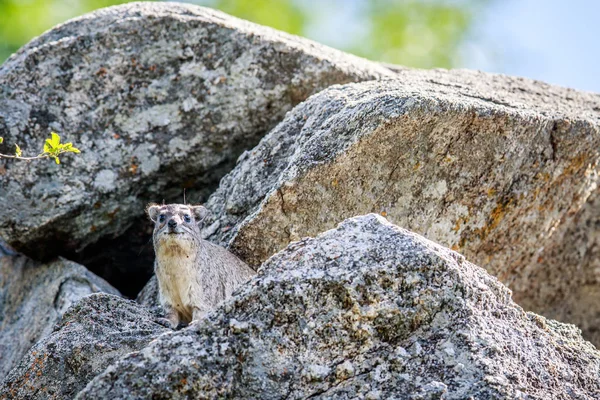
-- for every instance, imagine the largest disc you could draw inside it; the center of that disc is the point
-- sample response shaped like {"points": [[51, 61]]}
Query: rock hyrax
{"points": [[193, 274]]}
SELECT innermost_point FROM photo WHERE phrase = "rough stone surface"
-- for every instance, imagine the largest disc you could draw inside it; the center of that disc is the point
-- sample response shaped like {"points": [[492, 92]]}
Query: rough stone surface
{"points": [[492, 166], [94, 333], [367, 310], [159, 97], [567, 272], [33, 297]]}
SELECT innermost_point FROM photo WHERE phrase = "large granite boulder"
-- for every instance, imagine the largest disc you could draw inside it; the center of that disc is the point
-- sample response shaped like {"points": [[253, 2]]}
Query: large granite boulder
{"points": [[565, 277], [492, 166], [93, 334], [158, 97], [367, 310], [34, 297]]}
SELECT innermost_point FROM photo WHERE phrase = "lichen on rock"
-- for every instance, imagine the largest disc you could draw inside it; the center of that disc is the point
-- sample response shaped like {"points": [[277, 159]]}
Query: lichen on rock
{"points": [[362, 310], [34, 297], [161, 97], [94, 333], [158, 97], [492, 166]]}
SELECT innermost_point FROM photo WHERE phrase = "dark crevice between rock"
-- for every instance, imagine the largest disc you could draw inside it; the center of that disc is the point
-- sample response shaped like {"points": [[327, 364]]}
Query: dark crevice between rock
{"points": [[126, 261]]}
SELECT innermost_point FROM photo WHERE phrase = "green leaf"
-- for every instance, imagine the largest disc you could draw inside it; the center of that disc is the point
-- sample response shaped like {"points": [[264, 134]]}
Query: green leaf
{"points": [[57, 160], [52, 146], [18, 150], [68, 147], [1, 139], [55, 141]]}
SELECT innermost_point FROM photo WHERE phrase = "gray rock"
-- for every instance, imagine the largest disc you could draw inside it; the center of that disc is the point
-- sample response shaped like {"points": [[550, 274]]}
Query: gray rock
{"points": [[159, 97], [568, 267], [367, 310], [94, 333], [33, 298], [492, 166]]}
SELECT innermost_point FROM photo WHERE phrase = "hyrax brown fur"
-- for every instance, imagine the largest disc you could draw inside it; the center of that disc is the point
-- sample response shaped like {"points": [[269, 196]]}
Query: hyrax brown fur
{"points": [[194, 275]]}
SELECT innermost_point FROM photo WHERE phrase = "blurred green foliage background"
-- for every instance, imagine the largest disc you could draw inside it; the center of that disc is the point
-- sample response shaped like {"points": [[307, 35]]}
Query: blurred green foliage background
{"points": [[417, 33]]}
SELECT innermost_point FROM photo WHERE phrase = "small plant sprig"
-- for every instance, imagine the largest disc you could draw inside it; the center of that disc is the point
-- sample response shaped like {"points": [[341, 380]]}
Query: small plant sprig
{"points": [[52, 149]]}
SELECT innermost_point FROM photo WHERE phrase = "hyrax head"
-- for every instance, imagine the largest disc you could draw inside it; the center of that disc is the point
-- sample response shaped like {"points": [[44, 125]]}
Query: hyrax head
{"points": [[175, 223]]}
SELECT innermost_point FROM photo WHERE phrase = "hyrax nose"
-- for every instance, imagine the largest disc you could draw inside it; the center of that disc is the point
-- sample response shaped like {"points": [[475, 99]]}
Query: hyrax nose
{"points": [[172, 223]]}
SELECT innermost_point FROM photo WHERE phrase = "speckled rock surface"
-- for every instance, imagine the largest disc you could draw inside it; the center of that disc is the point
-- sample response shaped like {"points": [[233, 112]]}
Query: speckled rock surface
{"points": [[158, 97], [492, 166], [33, 298], [94, 333], [567, 272], [367, 310]]}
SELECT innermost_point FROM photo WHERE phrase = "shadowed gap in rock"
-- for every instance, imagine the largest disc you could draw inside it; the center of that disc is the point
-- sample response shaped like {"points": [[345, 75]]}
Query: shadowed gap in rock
{"points": [[125, 261]]}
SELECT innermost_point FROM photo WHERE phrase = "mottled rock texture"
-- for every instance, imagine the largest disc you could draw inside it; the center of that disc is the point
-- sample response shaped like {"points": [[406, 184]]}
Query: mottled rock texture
{"points": [[93, 334], [502, 169], [368, 310], [158, 97], [33, 298]]}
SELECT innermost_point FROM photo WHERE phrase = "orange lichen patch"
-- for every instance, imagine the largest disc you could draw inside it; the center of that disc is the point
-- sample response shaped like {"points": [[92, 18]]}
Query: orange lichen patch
{"points": [[457, 225], [575, 166], [102, 72], [498, 214], [459, 222], [116, 136], [494, 219], [577, 163], [35, 369], [384, 213], [133, 169], [546, 205], [111, 215], [544, 176], [455, 247], [490, 192]]}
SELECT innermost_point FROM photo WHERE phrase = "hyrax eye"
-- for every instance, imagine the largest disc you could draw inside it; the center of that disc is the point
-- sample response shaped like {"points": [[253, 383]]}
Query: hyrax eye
{"points": [[161, 218], [187, 218]]}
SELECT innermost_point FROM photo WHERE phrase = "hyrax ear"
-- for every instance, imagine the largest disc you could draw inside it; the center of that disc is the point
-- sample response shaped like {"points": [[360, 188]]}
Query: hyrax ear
{"points": [[200, 213], [152, 210]]}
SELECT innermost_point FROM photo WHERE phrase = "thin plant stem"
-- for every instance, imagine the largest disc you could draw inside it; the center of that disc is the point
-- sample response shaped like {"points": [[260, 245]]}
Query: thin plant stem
{"points": [[23, 158]]}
